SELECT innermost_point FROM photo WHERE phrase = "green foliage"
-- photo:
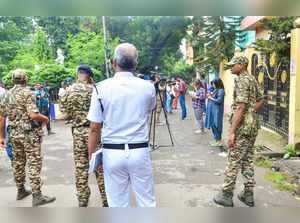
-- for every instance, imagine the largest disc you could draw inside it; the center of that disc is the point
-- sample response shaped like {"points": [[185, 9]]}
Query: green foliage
{"points": [[280, 39], [87, 48], [91, 24], [191, 88], [58, 28], [290, 150], [156, 38], [53, 73], [24, 59], [214, 38], [262, 161], [13, 31], [282, 180], [41, 47], [26, 41], [187, 71]]}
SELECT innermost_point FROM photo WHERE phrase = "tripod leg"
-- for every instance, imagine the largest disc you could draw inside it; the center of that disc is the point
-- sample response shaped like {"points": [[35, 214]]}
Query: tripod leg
{"points": [[154, 124], [167, 122]]}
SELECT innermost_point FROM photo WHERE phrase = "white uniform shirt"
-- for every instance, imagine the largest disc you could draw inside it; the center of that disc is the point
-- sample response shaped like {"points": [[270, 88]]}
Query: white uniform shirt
{"points": [[62, 92], [126, 102], [2, 92]]}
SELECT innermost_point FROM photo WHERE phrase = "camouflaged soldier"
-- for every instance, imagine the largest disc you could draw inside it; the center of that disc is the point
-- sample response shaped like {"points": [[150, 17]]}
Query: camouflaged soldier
{"points": [[25, 127], [247, 100], [75, 105]]}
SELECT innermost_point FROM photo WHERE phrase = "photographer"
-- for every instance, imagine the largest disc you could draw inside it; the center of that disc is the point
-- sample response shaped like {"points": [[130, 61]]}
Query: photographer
{"points": [[162, 87], [170, 95], [42, 102]]}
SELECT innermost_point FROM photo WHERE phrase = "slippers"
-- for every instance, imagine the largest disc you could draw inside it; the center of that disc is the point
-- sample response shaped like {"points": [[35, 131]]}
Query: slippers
{"points": [[214, 143]]}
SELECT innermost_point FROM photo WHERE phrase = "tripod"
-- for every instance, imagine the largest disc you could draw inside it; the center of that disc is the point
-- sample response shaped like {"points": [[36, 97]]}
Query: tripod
{"points": [[153, 122]]}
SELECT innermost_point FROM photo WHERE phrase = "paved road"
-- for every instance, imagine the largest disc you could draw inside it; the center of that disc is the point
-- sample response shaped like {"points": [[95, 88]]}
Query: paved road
{"points": [[186, 175]]}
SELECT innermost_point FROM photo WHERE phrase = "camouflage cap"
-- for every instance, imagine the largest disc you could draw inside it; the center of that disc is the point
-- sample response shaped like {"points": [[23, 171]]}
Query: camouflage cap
{"points": [[238, 60], [19, 75]]}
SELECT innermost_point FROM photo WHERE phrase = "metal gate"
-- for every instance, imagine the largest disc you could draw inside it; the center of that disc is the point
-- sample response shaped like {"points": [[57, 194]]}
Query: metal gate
{"points": [[275, 79]]}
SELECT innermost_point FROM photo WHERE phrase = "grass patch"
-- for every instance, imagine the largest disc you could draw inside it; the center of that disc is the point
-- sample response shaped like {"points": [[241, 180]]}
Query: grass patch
{"points": [[282, 180], [262, 161]]}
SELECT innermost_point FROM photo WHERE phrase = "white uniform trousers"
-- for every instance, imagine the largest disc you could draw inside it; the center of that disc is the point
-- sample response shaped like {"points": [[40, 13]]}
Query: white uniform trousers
{"points": [[124, 167]]}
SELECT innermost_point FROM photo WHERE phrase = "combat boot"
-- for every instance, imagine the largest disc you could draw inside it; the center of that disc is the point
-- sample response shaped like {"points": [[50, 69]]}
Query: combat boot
{"points": [[224, 198], [22, 193], [246, 197], [39, 199], [105, 204]]}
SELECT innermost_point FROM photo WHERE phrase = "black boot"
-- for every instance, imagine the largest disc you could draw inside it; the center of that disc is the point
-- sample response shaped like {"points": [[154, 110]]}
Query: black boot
{"points": [[224, 198], [246, 196], [22, 193], [105, 204]]}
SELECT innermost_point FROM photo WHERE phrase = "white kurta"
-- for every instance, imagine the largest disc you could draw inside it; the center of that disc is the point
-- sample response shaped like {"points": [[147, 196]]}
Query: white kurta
{"points": [[126, 102]]}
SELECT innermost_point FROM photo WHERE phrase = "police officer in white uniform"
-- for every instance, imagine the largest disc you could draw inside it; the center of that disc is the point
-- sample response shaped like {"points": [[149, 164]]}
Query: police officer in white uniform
{"points": [[120, 106]]}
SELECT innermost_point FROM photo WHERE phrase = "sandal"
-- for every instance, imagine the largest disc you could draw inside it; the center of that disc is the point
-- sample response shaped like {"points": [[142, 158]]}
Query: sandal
{"points": [[213, 143]]}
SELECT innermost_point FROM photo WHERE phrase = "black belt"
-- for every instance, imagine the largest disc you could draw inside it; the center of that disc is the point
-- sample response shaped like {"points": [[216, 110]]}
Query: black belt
{"points": [[122, 146]]}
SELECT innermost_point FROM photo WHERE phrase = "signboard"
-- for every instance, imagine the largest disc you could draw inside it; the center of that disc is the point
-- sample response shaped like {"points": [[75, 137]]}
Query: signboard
{"points": [[293, 67]]}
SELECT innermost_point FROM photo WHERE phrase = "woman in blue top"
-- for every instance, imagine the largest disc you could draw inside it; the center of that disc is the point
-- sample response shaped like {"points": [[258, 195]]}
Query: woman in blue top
{"points": [[215, 111]]}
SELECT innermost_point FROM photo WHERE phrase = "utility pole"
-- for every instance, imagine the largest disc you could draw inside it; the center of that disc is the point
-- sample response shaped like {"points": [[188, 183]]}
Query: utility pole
{"points": [[107, 61]]}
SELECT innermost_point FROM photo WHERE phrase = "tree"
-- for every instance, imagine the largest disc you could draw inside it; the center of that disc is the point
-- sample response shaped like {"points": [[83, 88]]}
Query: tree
{"points": [[187, 71], [14, 32], [87, 48], [58, 28], [214, 38], [41, 47], [24, 59], [154, 37], [280, 40]]}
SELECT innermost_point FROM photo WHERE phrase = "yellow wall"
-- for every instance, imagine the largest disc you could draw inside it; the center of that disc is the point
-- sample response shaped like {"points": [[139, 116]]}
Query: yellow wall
{"points": [[228, 81], [294, 107], [228, 78]]}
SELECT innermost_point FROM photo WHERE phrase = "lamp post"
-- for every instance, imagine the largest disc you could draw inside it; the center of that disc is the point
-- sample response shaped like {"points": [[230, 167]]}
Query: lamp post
{"points": [[107, 62]]}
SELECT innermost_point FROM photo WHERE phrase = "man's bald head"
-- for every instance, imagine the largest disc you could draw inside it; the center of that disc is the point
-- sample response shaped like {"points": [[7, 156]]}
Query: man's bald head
{"points": [[126, 56]]}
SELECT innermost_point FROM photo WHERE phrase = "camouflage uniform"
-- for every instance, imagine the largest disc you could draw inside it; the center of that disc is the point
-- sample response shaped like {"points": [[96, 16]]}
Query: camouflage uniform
{"points": [[25, 136], [248, 91], [75, 104]]}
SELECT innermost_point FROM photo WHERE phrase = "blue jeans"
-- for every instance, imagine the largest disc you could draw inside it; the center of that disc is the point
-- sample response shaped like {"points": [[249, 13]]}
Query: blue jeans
{"points": [[8, 145], [217, 133], [199, 117], [182, 105], [169, 103]]}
